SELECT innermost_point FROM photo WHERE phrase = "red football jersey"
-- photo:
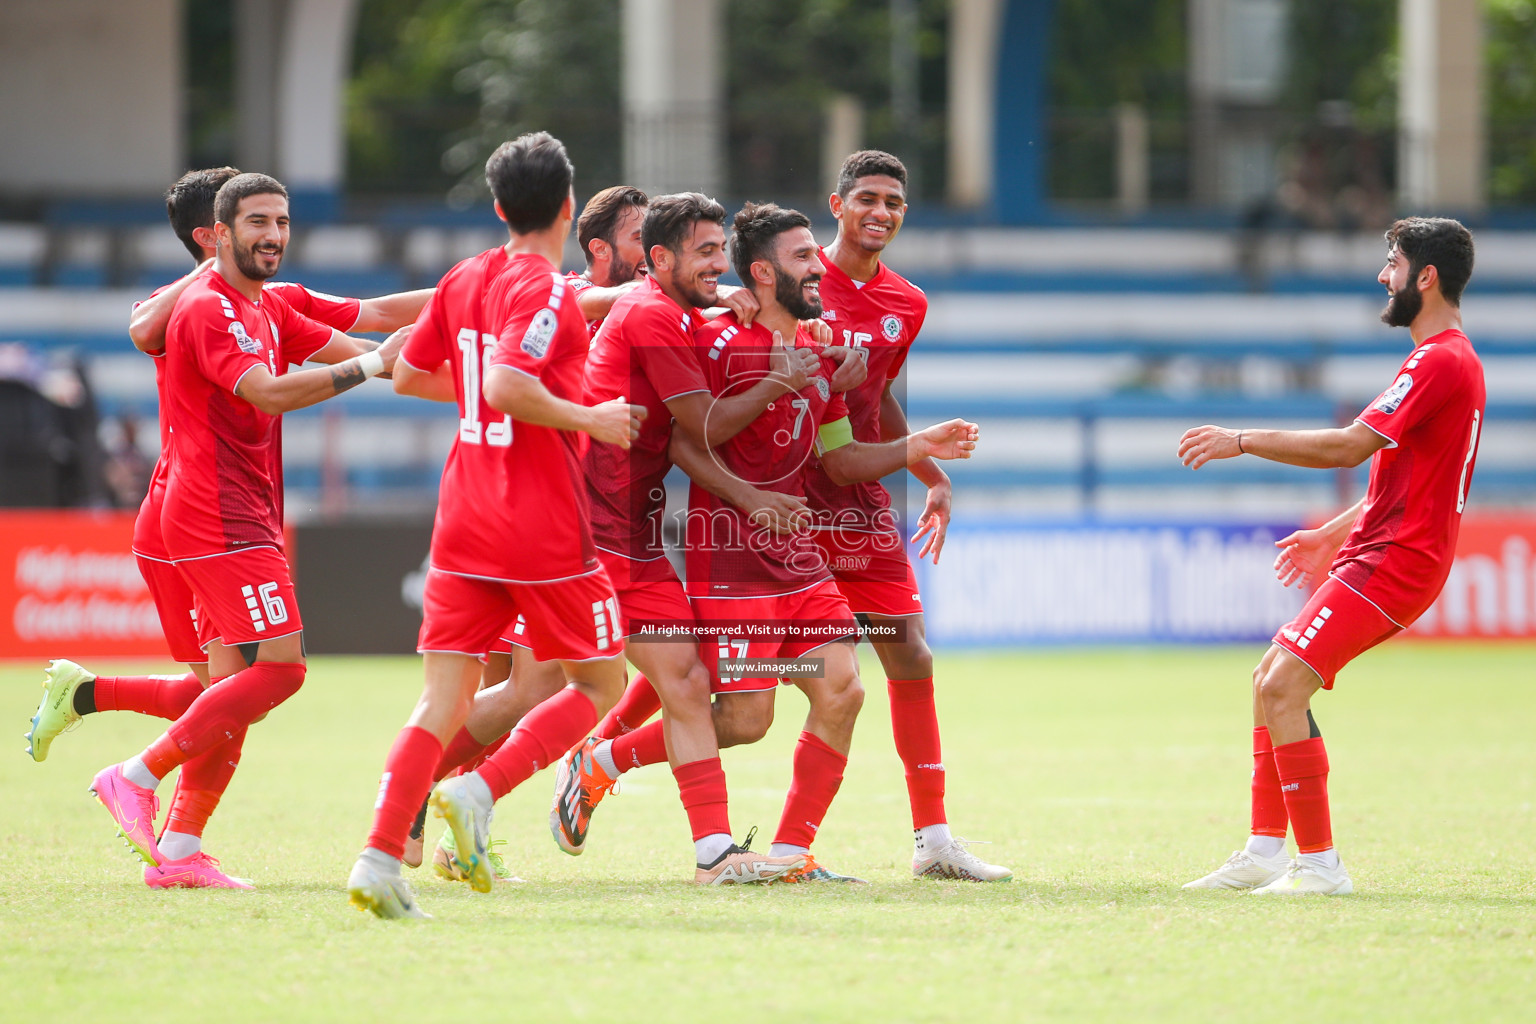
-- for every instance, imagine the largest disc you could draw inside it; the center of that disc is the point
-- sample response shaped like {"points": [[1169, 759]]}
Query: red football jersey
{"points": [[644, 353], [1401, 548], [512, 505], [882, 317], [726, 554], [222, 494], [579, 283], [330, 310]]}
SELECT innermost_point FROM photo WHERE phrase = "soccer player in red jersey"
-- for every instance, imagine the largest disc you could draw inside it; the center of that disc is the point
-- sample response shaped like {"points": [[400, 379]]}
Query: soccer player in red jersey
{"points": [[224, 345], [1380, 564], [504, 336], [750, 560], [871, 307], [609, 233]]}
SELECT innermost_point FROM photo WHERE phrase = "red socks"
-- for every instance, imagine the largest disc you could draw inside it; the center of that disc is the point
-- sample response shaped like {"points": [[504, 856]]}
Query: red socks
{"points": [[201, 784], [462, 748], [915, 725], [161, 696], [633, 710], [701, 784], [646, 745], [545, 733], [223, 710], [818, 774], [404, 786], [1268, 817], [1303, 772]]}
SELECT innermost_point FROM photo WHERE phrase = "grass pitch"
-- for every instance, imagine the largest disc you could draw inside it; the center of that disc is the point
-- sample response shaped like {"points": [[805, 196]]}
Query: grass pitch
{"points": [[1104, 779]]}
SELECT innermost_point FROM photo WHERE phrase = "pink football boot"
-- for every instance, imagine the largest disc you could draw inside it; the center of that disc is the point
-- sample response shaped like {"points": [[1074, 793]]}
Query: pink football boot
{"points": [[198, 871], [133, 808]]}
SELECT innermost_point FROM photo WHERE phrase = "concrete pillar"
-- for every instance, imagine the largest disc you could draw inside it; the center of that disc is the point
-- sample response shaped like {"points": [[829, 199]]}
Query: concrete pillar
{"points": [[1133, 163], [975, 32], [293, 58], [90, 97], [674, 125], [844, 134], [1442, 133]]}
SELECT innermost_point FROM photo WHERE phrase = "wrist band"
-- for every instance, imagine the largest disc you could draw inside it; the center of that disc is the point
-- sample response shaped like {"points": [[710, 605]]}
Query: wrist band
{"points": [[371, 363], [1240, 442]]}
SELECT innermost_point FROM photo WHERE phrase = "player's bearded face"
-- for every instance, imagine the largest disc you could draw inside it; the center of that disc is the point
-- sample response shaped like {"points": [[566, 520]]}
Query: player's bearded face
{"points": [[259, 236], [1403, 306], [700, 262], [800, 296]]}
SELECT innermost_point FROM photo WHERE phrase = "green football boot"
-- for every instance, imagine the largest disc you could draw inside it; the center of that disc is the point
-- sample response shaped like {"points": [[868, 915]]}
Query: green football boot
{"points": [[56, 714]]}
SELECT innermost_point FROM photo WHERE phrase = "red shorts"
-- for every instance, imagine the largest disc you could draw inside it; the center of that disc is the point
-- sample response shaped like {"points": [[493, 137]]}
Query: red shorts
{"points": [[242, 597], [1336, 626], [567, 620], [872, 571], [177, 608], [648, 592], [819, 610]]}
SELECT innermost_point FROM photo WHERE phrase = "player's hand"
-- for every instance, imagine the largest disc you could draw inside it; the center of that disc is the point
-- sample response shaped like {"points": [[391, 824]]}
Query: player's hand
{"points": [[853, 366], [781, 513], [794, 368], [934, 522], [819, 330], [390, 350], [1200, 445], [954, 439], [616, 422], [1304, 556], [743, 303]]}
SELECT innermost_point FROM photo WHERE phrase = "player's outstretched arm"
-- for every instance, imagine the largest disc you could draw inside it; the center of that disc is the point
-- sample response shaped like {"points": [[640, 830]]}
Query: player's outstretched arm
{"points": [[524, 397], [391, 312], [595, 302], [303, 388], [848, 461], [1307, 554], [933, 524], [1333, 448], [781, 513], [146, 327], [713, 421]]}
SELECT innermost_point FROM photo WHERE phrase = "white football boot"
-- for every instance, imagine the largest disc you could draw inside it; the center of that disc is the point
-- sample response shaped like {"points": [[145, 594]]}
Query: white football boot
{"points": [[1244, 870], [1307, 877], [953, 860]]}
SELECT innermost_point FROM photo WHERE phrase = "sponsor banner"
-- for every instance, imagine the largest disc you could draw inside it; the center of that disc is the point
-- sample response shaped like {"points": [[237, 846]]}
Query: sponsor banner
{"points": [[1491, 591], [1023, 583], [70, 587]]}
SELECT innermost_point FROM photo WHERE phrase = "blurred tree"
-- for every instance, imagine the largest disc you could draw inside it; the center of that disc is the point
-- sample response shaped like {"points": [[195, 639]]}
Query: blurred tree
{"points": [[210, 82], [1511, 100]]}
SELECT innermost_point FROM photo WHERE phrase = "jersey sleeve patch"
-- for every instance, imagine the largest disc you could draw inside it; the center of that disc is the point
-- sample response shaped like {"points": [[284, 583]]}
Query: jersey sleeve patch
{"points": [[541, 331], [1394, 395]]}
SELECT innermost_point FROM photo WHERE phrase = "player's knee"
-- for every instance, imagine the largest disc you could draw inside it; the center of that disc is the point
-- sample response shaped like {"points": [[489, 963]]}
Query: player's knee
{"points": [[845, 702], [694, 687], [736, 725], [1278, 690]]}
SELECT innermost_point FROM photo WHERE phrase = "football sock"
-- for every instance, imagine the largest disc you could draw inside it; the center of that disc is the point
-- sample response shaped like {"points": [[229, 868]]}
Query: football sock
{"points": [[646, 745], [708, 849], [221, 711], [178, 845], [818, 772], [1303, 769], [633, 710], [460, 750], [787, 850], [1268, 816], [701, 787], [404, 785], [161, 696], [1328, 858], [931, 837], [84, 699], [479, 759], [544, 734], [915, 726], [479, 791], [1267, 847], [381, 860], [135, 772], [603, 755], [199, 788]]}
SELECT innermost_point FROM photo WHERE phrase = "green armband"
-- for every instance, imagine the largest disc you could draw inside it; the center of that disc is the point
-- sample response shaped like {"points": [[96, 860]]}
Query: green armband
{"points": [[834, 435]]}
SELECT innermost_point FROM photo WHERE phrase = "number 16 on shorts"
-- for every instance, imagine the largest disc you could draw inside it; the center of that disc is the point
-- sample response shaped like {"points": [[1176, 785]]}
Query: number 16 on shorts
{"points": [[265, 605]]}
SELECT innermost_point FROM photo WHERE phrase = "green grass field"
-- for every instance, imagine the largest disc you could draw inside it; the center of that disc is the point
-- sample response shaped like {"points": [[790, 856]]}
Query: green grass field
{"points": [[1104, 779]]}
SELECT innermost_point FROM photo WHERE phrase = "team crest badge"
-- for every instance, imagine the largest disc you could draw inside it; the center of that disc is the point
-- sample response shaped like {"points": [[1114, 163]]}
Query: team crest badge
{"points": [[249, 345], [823, 388], [540, 333], [1394, 395], [890, 326]]}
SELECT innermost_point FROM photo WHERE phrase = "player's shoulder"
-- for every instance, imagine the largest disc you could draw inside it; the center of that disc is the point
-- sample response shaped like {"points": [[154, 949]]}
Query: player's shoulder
{"points": [[202, 300], [899, 286], [577, 281], [1447, 352]]}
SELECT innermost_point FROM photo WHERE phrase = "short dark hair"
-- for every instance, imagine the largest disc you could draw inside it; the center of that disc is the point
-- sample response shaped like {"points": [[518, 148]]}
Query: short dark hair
{"points": [[1437, 242], [753, 232], [867, 162], [530, 177], [601, 215], [189, 203], [669, 220], [242, 186]]}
